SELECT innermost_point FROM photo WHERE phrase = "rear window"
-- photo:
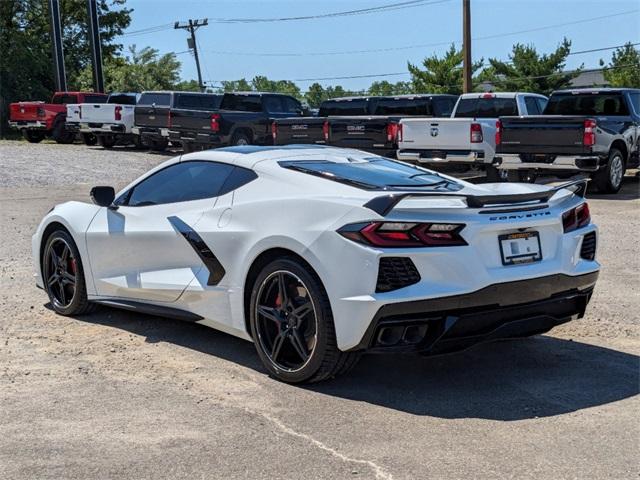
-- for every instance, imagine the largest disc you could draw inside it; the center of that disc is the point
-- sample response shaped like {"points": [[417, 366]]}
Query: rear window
{"points": [[344, 107], [242, 103], [402, 106], [586, 104], [443, 106], [122, 99], [160, 99], [493, 107], [375, 173], [198, 102], [64, 99], [95, 99]]}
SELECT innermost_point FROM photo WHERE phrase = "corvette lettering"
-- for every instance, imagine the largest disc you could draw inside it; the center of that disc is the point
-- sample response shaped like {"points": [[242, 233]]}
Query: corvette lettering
{"points": [[520, 216]]}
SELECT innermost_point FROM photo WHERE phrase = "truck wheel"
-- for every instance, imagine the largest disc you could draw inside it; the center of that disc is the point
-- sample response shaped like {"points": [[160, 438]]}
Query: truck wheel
{"points": [[89, 139], [33, 136], [608, 179], [158, 145], [60, 133], [137, 142], [107, 141], [239, 139]]}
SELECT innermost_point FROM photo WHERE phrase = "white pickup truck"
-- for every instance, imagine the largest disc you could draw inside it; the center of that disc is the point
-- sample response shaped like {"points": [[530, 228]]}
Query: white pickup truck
{"points": [[110, 122], [467, 138]]}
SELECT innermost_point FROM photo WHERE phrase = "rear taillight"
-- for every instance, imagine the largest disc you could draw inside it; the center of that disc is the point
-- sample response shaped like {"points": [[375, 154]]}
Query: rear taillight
{"points": [[404, 234], [325, 130], [215, 122], [589, 136], [575, 218], [274, 131], [476, 133], [393, 132], [489, 95], [41, 112], [498, 132], [117, 113]]}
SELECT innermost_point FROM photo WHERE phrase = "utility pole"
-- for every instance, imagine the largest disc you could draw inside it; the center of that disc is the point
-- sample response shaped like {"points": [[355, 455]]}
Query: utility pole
{"points": [[192, 26], [466, 46], [58, 50], [96, 47]]}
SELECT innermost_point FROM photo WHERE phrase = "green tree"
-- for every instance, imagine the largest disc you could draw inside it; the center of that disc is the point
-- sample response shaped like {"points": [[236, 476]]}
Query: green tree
{"points": [[315, 95], [624, 68], [440, 75], [236, 86], [384, 88], [26, 69], [529, 71]]}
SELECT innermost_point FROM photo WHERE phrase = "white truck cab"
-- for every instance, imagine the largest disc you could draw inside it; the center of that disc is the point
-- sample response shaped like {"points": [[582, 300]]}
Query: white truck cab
{"points": [[468, 136]]}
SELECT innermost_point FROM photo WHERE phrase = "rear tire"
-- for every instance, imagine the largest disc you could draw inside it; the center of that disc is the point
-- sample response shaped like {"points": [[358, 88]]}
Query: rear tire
{"points": [[608, 179], [158, 145], [63, 275], [239, 139], [33, 136], [89, 139], [107, 141], [60, 133], [279, 334]]}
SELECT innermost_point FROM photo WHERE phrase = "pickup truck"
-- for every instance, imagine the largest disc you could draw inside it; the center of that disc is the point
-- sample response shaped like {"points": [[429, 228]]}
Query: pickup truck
{"points": [[36, 120], [366, 123], [239, 118], [109, 122], [588, 130], [466, 140]]}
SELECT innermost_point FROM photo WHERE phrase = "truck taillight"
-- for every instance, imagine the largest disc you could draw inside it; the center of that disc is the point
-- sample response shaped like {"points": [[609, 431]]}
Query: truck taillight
{"points": [[475, 131], [498, 132], [589, 136], [274, 131], [215, 122], [325, 130], [394, 132], [117, 113]]}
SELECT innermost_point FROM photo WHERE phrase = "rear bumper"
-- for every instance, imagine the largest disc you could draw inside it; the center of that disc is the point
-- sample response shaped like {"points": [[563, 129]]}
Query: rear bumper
{"points": [[97, 128], [443, 156], [151, 132], [503, 310], [31, 125], [197, 137], [512, 161]]}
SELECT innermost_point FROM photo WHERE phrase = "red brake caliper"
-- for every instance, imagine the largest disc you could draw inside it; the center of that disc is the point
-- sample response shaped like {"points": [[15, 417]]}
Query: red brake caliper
{"points": [[73, 265]]}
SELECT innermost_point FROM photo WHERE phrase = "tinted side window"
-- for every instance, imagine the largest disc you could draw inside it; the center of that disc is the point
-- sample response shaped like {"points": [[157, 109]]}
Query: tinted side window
{"points": [[635, 101], [198, 102], [542, 103], [181, 182], [242, 103], [160, 99], [343, 107], [402, 106], [291, 105], [272, 104], [95, 99], [442, 106], [532, 106]]}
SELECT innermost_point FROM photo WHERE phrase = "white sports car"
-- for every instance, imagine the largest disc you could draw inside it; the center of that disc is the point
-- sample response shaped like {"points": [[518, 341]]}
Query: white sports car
{"points": [[318, 254]]}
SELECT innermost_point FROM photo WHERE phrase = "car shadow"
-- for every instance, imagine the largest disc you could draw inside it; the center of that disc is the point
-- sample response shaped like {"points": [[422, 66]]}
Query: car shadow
{"points": [[510, 380]]}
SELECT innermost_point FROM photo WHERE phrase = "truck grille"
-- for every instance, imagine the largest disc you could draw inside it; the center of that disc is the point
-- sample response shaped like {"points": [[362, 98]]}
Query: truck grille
{"points": [[588, 250], [395, 273]]}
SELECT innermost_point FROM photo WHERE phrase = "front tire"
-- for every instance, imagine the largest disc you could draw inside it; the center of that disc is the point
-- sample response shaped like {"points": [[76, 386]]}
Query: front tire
{"points": [[89, 139], [292, 324], [106, 141], [608, 179], [63, 275], [33, 136], [60, 133]]}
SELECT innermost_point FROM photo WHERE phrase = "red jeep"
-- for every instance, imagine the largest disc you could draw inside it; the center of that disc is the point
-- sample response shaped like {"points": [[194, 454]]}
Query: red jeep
{"points": [[38, 119]]}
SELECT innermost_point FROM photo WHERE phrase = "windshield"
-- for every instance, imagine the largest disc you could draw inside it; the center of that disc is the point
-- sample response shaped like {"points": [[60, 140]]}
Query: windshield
{"points": [[586, 104], [375, 173]]}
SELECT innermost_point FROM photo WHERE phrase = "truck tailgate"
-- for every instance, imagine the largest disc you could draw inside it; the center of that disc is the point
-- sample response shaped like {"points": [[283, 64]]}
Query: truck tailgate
{"points": [[436, 134], [359, 132], [543, 134], [26, 111], [305, 130]]}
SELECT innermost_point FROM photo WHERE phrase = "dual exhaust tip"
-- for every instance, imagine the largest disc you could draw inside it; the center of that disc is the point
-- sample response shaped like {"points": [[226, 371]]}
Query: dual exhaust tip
{"points": [[401, 335]]}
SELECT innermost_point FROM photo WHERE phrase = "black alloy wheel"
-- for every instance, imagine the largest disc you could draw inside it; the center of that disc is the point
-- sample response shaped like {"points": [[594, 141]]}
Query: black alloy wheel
{"points": [[63, 275], [292, 324], [287, 322]]}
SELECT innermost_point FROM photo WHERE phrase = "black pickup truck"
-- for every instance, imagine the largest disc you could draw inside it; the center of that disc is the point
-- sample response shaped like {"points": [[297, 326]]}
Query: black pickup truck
{"points": [[234, 119], [366, 123], [589, 130]]}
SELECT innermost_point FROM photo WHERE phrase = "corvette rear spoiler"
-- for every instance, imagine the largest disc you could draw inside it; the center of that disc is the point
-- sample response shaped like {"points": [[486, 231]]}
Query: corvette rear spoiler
{"points": [[383, 204]]}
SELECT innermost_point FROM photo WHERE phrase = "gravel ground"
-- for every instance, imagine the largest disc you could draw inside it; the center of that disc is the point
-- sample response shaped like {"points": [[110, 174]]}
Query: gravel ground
{"points": [[121, 395]]}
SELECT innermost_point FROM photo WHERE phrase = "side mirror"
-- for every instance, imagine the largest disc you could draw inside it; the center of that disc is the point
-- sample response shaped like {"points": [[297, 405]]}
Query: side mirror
{"points": [[103, 196]]}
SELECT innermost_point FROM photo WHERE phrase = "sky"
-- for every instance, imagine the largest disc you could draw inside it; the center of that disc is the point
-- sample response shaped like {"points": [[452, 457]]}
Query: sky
{"points": [[229, 51]]}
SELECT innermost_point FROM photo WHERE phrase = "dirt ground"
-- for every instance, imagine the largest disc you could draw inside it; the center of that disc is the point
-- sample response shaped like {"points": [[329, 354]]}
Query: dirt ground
{"points": [[123, 395]]}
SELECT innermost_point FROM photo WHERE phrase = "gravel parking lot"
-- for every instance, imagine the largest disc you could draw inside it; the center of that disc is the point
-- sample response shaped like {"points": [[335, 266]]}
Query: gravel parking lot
{"points": [[123, 395]]}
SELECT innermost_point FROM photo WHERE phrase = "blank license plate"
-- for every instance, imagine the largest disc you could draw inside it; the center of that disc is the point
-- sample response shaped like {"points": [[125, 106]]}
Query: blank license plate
{"points": [[519, 248]]}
